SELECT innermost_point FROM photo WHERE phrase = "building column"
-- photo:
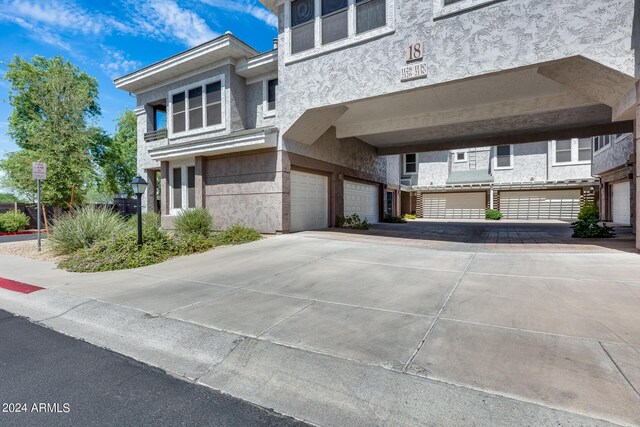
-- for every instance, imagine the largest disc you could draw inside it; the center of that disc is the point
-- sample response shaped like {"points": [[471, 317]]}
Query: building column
{"points": [[152, 199], [336, 205], [491, 197], [636, 137], [200, 182], [164, 188]]}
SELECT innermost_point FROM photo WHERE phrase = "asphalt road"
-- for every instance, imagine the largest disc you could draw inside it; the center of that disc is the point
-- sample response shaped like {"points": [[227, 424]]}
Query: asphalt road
{"points": [[83, 385], [20, 237]]}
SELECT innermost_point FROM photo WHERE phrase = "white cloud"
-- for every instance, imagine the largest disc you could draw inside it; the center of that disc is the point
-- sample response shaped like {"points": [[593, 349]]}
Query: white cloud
{"points": [[166, 20], [246, 7], [116, 63]]}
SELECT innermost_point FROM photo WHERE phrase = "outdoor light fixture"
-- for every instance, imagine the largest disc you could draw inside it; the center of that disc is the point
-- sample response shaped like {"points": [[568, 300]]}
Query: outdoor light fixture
{"points": [[139, 186]]}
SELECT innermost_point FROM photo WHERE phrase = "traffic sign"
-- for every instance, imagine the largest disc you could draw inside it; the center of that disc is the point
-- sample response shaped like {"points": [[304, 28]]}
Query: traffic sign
{"points": [[39, 170]]}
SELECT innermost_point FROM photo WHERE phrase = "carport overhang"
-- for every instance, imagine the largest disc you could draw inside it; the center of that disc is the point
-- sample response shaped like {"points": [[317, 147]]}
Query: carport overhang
{"points": [[567, 98]]}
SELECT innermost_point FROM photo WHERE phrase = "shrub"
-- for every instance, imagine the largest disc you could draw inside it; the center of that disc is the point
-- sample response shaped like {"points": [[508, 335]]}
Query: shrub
{"points": [[151, 229], [587, 223], [394, 219], [187, 244], [409, 216], [237, 234], [194, 221], [83, 228], [493, 214], [12, 221], [352, 221]]}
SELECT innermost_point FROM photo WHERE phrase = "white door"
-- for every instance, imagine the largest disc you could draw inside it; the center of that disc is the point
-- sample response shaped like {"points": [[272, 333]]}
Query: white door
{"points": [[309, 201], [363, 200], [540, 204], [621, 203], [454, 205]]}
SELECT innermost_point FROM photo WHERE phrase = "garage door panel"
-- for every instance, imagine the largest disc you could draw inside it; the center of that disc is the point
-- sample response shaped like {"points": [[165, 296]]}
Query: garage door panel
{"points": [[454, 205], [309, 201], [362, 199], [540, 204], [621, 203]]}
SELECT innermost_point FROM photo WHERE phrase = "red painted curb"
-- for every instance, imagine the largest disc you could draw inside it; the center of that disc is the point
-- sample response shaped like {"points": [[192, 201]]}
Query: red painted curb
{"points": [[12, 285], [17, 233]]}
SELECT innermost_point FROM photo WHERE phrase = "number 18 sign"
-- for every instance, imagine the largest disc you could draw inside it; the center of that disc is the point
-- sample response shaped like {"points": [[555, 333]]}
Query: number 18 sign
{"points": [[39, 170]]}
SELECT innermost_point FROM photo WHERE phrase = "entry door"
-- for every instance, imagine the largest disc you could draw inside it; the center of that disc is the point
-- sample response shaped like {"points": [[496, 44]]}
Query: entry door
{"points": [[621, 203], [363, 200], [309, 201]]}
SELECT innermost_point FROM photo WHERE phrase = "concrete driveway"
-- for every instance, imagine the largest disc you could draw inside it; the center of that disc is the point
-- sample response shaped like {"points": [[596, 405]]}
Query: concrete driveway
{"points": [[556, 324]]}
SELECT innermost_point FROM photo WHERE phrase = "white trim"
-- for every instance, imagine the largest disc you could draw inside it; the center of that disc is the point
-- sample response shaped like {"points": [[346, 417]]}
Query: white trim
{"points": [[495, 159], [464, 160], [575, 153], [185, 89], [251, 68], [266, 113], [352, 37], [404, 164], [620, 138], [184, 166], [440, 10]]}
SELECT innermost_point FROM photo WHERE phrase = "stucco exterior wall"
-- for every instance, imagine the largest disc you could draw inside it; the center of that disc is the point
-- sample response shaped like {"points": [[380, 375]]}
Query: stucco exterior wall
{"points": [[615, 155], [255, 107], [237, 101], [245, 188], [393, 170], [433, 168], [501, 36], [529, 161]]}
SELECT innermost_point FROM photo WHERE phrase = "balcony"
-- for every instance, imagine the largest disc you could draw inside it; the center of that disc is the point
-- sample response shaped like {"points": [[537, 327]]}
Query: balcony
{"points": [[155, 135]]}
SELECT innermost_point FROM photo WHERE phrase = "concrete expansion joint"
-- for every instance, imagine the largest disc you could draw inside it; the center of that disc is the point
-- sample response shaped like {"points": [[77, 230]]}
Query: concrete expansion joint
{"points": [[619, 369], [237, 342], [444, 305]]}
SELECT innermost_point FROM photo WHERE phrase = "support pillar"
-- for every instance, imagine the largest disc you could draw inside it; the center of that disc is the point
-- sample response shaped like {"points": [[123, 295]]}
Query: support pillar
{"points": [[636, 138], [152, 199], [200, 182], [491, 197], [164, 188]]}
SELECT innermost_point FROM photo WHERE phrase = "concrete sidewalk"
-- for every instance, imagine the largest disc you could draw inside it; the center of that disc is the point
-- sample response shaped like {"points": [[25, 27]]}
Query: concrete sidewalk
{"points": [[338, 332]]}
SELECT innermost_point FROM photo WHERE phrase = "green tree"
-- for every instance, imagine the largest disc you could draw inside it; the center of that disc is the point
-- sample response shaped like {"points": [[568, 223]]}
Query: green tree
{"points": [[53, 104], [8, 197], [116, 156]]}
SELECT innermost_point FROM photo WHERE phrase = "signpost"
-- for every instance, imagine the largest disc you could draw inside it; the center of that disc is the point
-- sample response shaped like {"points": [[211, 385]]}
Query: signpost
{"points": [[39, 172]]}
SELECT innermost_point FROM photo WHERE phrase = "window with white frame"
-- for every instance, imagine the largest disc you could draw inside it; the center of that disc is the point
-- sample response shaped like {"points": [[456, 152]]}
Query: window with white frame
{"points": [[409, 164], [315, 23], [571, 151], [503, 157], [271, 94], [601, 142], [197, 107], [460, 156], [448, 7], [183, 188]]}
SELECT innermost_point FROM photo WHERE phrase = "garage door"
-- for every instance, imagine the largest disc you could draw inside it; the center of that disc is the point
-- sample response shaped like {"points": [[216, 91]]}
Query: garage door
{"points": [[540, 204], [363, 200], [454, 205], [309, 201], [621, 203]]}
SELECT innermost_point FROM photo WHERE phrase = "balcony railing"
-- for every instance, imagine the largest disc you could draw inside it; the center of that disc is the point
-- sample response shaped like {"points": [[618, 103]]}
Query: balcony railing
{"points": [[155, 135]]}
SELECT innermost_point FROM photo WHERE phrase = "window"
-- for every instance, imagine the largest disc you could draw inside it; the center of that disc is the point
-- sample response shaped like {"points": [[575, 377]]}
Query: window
{"points": [[302, 28], [178, 106], [584, 150], [183, 188], [601, 142], [370, 14], [460, 156], [214, 104], [503, 157], [159, 117], [271, 94], [198, 107], [448, 2], [410, 164], [563, 151], [334, 20]]}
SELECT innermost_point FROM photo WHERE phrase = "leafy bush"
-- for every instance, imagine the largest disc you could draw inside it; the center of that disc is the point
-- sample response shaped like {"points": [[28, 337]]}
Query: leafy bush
{"points": [[12, 221], [493, 214], [587, 223], [352, 221], [237, 234], [409, 216], [194, 221], [83, 228], [151, 229], [394, 219], [118, 252]]}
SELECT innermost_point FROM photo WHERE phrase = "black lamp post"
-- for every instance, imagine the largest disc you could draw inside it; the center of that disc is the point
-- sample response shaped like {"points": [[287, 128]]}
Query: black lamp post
{"points": [[139, 185]]}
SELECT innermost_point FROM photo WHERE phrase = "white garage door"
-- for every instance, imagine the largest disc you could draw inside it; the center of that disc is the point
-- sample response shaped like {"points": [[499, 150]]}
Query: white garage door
{"points": [[621, 203], [454, 205], [362, 199], [309, 201], [540, 204]]}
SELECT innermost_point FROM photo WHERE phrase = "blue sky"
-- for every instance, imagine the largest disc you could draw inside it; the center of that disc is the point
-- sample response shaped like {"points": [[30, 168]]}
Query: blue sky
{"points": [[110, 39]]}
